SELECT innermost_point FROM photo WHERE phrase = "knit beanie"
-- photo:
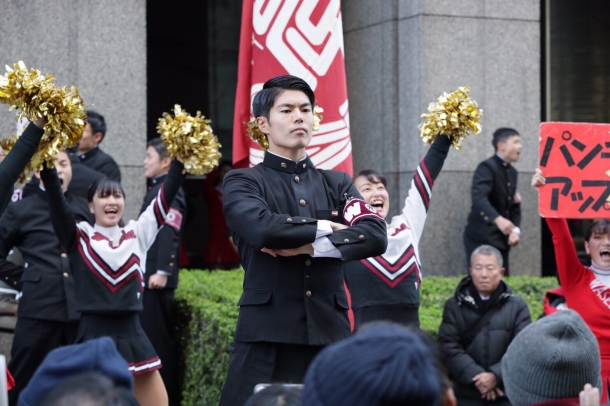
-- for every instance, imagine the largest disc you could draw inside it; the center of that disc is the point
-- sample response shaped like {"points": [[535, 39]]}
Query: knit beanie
{"points": [[100, 355], [384, 365], [552, 358]]}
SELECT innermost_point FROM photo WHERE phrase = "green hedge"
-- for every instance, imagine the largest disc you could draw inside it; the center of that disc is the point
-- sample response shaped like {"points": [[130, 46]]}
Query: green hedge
{"points": [[207, 313]]}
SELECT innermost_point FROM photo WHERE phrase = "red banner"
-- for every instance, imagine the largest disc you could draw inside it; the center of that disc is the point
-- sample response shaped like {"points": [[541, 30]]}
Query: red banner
{"points": [[575, 159], [303, 38]]}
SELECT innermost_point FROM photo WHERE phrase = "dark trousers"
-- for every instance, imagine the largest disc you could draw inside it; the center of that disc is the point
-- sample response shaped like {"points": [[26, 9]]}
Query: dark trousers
{"points": [[263, 362], [471, 245], [32, 341], [158, 322], [401, 314]]}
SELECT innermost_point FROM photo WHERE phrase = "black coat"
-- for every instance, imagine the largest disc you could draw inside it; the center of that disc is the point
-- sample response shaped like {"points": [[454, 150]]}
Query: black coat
{"points": [[101, 162], [299, 299], [485, 352], [47, 282], [493, 193], [163, 255]]}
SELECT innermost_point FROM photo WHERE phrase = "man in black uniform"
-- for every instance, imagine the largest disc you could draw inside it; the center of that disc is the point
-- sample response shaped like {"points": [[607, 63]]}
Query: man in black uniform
{"points": [[495, 215], [47, 318], [287, 218], [161, 277], [89, 152]]}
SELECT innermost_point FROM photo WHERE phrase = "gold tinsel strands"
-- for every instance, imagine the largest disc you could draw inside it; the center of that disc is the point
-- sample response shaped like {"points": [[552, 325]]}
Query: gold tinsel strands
{"points": [[257, 135], [36, 96], [455, 115], [190, 140]]}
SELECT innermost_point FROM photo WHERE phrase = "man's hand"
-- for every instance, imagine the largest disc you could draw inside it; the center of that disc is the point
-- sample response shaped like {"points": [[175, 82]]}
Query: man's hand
{"points": [[485, 382], [290, 252], [589, 396], [157, 281], [504, 224], [492, 394], [40, 122], [538, 179], [337, 226], [514, 239]]}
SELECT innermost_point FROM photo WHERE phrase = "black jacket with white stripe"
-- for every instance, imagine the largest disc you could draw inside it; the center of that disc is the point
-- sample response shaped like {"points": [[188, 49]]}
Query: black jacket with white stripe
{"points": [[108, 262], [394, 278]]}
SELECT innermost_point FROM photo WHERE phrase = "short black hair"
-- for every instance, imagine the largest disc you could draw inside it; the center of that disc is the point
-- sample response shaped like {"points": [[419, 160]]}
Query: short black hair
{"points": [[265, 98], [598, 227], [104, 187], [97, 122], [276, 395], [502, 134], [91, 389], [372, 176], [159, 146]]}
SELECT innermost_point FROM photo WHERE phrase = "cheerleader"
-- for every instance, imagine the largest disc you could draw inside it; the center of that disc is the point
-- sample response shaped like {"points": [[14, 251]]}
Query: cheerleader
{"points": [[108, 261]]}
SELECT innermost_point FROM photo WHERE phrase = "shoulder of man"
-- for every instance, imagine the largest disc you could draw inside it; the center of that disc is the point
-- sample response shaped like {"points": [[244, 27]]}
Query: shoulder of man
{"points": [[105, 157]]}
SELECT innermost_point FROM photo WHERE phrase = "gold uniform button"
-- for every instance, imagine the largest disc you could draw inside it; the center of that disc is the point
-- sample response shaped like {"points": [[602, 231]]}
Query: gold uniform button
{"points": [[304, 221], [308, 293], [173, 256], [302, 202], [508, 184], [304, 165], [308, 262], [289, 220], [361, 237], [66, 274], [509, 197], [6, 278], [482, 213], [296, 179], [346, 240], [64, 255], [171, 264], [283, 165], [486, 218]]}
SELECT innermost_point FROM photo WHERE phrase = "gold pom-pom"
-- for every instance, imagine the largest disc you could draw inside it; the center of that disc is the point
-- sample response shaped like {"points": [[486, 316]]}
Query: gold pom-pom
{"points": [[257, 135], [36, 96], [454, 115], [190, 140]]}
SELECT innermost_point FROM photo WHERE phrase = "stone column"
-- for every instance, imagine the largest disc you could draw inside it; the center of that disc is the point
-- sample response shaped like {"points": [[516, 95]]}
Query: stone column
{"points": [[400, 56], [99, 46]]}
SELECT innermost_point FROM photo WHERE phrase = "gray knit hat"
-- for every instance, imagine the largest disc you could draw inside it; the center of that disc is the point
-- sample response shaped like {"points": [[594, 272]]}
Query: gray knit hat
{"points": [[552, 358]]}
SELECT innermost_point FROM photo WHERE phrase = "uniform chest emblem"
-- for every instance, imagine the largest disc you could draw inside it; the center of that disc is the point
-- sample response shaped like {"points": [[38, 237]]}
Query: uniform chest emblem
{"points": [[124, 236]]}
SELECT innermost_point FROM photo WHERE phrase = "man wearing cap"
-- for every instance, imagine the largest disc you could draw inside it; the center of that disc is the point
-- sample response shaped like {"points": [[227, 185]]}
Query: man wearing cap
{"points": [[294, 225], [478, 325]]}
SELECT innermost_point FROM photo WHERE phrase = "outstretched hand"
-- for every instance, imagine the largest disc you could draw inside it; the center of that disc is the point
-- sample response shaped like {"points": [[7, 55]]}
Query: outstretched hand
{"points": [[40, 122], [538, 179], [589, 396]]}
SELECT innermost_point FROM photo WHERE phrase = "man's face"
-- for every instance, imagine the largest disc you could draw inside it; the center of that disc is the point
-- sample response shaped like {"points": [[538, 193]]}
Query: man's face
{"points": [[598, 247], [374, 193], [89, 140], [154, 165], [289, 127], [64, 170], [511, 148], [486, 273]]}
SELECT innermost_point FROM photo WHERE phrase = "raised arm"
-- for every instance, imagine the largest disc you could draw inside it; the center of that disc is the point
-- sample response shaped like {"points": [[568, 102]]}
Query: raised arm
{"points": [[62, 216], [9, 236], [153, 217], [19, 156], [417, 202]]}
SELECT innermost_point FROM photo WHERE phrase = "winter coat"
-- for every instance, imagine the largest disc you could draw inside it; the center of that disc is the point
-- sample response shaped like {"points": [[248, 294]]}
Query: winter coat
{"points": [[485, 351]]}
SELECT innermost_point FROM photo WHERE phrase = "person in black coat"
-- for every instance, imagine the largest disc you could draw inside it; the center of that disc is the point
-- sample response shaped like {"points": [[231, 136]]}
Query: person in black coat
{"points": [[161, 276], [47, 318], [89, 152], [479, 322], [495, 214], [287, 222]]}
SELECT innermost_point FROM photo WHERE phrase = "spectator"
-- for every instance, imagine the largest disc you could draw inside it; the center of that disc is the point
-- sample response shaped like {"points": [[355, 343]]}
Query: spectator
{"points": [[276, 395], [161, 277], [384, 364], [387, 287], [88, 150], [220, 253], [496, 204], [550, 362], [98, 355], [89, 389], [479, 323], [47, 316]]}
